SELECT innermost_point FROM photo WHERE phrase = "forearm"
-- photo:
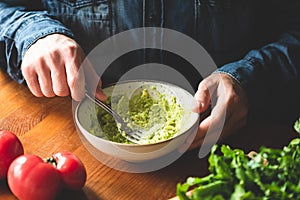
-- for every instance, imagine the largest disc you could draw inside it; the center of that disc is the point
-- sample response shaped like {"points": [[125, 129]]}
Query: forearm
{"points": [[20, 27]]}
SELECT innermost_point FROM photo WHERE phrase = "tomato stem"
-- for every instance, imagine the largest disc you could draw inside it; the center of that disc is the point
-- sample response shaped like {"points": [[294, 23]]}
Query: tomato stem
{"points": [[51, 161]]}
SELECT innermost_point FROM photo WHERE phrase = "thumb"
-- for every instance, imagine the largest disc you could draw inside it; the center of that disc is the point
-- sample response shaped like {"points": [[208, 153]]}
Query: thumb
{"points": [[93, 81], [201, 133], [202, 97], [76, 80]]}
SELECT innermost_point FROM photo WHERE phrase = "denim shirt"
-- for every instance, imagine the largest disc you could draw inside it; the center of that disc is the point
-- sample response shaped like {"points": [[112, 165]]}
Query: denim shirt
{"points": [[257, 42]]}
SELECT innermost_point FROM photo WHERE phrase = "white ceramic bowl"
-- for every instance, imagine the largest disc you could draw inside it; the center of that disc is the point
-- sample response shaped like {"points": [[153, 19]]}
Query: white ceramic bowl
{"points": [[136, 152]]}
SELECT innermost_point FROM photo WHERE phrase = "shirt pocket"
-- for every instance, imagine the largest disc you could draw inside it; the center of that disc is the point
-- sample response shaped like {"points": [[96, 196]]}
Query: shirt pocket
{"points": [[80, 3], [90, 20]]}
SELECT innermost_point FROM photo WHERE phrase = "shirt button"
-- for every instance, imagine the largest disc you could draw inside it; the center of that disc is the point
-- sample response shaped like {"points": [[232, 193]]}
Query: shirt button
{"points": [[152, 17]]}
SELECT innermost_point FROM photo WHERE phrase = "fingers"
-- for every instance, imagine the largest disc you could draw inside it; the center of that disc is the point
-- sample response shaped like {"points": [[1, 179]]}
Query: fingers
{"points": [[38, 78], [44, 77], [206, 96], [52, 67], [211, 128], [75, 78], [85, 76], [59, 82], [229, 109], [203, 95], [202, 98], [58, 76], [32, 83]]}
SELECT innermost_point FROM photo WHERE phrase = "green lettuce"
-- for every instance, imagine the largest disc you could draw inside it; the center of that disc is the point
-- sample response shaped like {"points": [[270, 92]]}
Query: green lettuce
{"points": [[234, 175]]}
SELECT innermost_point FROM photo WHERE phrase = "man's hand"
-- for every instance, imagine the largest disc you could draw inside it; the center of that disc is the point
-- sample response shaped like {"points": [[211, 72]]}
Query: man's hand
{"points": [[52, 67], [229, 108]]}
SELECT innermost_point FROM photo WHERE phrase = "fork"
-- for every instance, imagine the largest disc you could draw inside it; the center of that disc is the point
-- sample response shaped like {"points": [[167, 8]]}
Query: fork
{"points": [[133, 135]]}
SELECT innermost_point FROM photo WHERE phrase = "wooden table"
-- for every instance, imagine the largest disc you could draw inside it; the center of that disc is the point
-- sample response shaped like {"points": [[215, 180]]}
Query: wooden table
{"points": [[45, 126]]}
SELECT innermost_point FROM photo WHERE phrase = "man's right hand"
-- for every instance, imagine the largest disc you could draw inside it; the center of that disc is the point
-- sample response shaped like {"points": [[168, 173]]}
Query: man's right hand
{"points": [[52, 67]]}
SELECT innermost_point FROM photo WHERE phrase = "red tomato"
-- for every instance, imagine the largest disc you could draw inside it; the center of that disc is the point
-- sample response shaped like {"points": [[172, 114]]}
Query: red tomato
{"points": [[71, 169], [10, 148], [30, 178]]}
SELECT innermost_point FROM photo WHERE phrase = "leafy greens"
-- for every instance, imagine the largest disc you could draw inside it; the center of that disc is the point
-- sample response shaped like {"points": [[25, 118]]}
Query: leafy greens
{"points": [[234, 175]]}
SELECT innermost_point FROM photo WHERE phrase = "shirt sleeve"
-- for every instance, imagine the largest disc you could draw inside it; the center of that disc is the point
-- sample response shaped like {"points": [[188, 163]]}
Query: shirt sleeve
{"points": [[274, 65], [20, 27]]}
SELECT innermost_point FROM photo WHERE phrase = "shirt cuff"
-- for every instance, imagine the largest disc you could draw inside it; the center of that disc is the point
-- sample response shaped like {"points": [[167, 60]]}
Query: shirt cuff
{"points": [[243, 71], [36, 28], [27, 34]]}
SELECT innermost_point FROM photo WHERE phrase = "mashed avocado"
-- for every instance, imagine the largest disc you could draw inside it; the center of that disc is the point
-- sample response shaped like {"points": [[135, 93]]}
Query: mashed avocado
{"points": [[148, 110]]}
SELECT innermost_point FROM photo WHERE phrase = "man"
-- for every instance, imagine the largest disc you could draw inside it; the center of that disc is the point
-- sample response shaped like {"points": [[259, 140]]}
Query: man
{"points": [[254, 43]]}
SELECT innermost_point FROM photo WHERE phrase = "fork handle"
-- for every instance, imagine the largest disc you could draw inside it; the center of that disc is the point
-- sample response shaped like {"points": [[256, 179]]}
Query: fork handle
{"points": [[106, 108]]}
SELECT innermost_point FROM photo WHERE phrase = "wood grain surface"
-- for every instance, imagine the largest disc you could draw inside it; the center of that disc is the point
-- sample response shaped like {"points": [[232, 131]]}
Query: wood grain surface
{"points": [[45, 126]]}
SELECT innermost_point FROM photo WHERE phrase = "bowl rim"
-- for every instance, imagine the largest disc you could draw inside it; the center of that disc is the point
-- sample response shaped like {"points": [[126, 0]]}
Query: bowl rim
{"points": [[133, 144]]}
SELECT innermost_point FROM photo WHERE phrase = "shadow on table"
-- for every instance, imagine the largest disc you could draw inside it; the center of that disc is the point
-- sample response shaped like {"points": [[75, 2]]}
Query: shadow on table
{"points": [[268, 133], [64, 194], [4, 189], [79, 195]]}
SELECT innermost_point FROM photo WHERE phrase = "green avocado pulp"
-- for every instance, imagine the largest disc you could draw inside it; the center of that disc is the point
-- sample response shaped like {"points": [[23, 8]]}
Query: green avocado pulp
{"points": [[148, 110]]}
